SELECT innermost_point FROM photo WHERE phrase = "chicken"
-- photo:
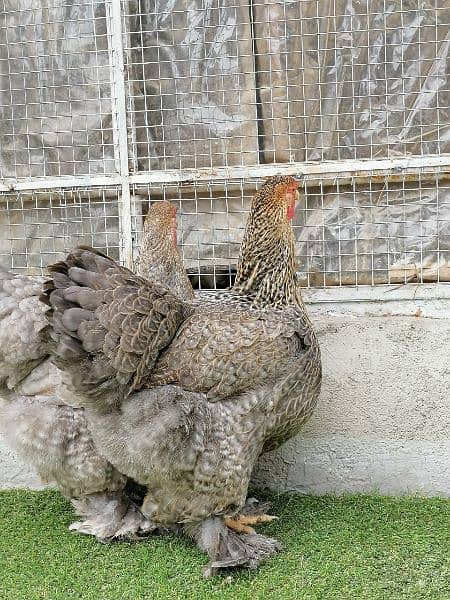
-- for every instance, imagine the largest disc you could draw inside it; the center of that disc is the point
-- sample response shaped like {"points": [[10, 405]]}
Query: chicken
{"points": [[183, 396], [159, 260], [53, 436]]}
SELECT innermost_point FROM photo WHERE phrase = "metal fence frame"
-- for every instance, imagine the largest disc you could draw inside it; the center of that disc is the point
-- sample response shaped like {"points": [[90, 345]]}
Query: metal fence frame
{"points": [[414, 168]]}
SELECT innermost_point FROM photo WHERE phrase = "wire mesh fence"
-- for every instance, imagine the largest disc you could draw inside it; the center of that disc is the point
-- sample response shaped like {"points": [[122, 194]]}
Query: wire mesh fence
{"points": [[55, 92], [348, 233], [232, 83], [107, 105], [40, 227]]}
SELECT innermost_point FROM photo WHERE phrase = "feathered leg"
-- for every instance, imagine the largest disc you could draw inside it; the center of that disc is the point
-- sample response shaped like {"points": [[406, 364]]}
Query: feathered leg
{"points": [[110, 516], [227, 549]]}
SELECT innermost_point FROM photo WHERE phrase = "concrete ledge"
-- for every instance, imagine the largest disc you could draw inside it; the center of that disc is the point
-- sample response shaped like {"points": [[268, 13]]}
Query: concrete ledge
{"points": [[410, 300]]}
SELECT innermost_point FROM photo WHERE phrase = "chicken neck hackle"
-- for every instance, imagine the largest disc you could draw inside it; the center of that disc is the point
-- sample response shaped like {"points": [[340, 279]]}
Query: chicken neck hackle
{"points": [[266, 269], [159, 259]]}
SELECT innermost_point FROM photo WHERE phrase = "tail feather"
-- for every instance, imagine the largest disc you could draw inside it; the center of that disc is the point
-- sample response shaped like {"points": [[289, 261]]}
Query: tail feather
{"points": [[107, 325]]}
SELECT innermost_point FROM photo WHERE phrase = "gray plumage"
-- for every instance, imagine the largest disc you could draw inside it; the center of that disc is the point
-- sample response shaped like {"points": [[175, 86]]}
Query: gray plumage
{"points": [[22, 317], [49, 435], [183, 396], [43, 424]]}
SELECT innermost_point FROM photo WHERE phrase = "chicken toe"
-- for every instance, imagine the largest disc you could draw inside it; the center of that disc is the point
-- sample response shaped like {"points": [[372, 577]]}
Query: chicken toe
{"points": [[239, 524]]}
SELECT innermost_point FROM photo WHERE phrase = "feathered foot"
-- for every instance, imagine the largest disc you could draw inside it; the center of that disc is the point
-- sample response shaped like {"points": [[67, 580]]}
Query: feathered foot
{"points": [[110, 516], [226, 548], [252, 513]]}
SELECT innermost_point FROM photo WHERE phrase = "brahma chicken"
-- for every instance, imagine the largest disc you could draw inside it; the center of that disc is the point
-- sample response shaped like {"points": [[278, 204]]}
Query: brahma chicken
{"points": [[159, 259], [53, 436], [183, 396]]}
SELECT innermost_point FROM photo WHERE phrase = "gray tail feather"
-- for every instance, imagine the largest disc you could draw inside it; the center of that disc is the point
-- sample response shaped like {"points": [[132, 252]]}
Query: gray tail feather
{"points": [[66, 317]]}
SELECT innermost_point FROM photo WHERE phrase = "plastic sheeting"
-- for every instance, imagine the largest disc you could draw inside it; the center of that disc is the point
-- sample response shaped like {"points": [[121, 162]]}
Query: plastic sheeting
{"points": [[224, 83], [353, 79], [379, 233], [55, 107], [327, 80], [38, 230], [233, 83], [192, 83]]}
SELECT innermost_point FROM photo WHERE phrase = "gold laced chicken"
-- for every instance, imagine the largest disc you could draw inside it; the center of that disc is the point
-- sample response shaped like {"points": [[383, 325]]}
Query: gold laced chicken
{"points": [[52, 435], [184, 395]]}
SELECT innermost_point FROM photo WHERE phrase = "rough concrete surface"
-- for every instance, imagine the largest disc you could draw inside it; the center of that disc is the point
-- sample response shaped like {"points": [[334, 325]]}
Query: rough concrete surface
{"points": [[14, 473], [383, 420]]}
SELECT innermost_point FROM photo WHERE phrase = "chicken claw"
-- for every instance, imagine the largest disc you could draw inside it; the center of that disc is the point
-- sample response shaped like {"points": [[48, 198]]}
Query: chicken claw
{"points": [[241, 523]]}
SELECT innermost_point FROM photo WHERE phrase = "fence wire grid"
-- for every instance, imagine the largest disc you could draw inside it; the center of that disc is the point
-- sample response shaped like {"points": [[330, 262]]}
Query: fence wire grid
{"points": [[107, 105]]}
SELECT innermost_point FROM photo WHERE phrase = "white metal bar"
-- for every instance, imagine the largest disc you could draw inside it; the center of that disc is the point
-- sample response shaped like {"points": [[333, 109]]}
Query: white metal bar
{"points": [[119, 120], [48, 183], [313, 173], [135, 206]]}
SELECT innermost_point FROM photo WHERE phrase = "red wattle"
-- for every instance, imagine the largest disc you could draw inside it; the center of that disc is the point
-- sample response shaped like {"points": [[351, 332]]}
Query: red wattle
{"points": [[291, 211]]}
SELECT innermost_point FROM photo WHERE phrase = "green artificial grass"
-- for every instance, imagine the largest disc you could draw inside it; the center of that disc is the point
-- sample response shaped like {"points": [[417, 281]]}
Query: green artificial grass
{"points": [[355, 547]]}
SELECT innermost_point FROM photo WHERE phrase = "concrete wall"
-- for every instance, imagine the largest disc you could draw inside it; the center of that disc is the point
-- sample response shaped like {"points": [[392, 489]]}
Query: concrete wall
{"points": [[14, 473], [383, 420]]}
